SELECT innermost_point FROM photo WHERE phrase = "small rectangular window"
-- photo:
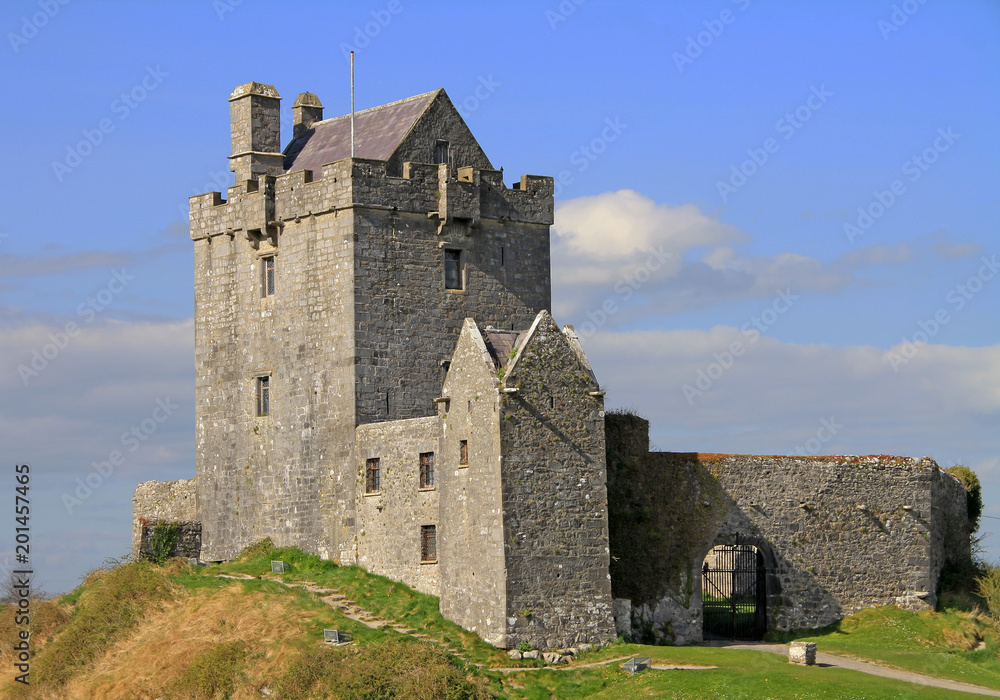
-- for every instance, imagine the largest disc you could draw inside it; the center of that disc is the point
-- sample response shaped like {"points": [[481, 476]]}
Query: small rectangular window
{"points": [[373, 476], [263, 396], [453, 269], [441, 152], [267, 276], [428, 543], [426, 470], [463, 453]]}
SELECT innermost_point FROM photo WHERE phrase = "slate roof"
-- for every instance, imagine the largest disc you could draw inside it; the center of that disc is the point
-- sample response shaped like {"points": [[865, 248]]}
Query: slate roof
{"points": [[377, 134], [500, 343]]}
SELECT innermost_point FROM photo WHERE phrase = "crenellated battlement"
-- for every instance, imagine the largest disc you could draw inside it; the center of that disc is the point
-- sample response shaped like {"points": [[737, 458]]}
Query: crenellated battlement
{"points": [[426, 189]]}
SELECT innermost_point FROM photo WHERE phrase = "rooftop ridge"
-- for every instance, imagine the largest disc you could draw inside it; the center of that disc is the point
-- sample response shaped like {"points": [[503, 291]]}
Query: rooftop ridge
{"points": [[378, 107]]}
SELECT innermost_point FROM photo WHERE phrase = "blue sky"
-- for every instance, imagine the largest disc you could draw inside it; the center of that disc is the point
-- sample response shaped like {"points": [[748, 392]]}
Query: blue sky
{"points": [[713, 157]]}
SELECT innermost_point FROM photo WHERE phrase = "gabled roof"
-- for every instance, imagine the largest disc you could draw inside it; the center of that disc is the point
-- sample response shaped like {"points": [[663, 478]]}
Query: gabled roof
{"points": [[377, 134], [501, 344]]}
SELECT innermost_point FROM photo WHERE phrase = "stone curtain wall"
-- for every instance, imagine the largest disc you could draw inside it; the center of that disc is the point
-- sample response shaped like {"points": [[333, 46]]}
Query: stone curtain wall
{"points": [[856, 527], [388, 538], [951, 543], [838, 533], [664, 511], [170, 501], [555, 497]]}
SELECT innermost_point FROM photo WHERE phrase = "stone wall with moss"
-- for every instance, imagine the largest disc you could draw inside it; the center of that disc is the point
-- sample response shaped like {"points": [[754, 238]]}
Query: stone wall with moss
{"points": [[837, 533], [166, 501]]}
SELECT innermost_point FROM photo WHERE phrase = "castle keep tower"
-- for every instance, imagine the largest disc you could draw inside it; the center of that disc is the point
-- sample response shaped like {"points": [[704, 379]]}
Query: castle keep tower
{"points": [[330, 294]]}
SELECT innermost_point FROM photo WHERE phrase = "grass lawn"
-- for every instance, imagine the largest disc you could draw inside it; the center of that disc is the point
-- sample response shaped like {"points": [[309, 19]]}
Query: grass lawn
{"points": [[219, 637], [942, 644], [740, 674]]}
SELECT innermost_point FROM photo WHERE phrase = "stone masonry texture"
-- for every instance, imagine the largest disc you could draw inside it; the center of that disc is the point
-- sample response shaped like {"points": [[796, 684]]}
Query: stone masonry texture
{"points": [[365, 352], [837, 533]]}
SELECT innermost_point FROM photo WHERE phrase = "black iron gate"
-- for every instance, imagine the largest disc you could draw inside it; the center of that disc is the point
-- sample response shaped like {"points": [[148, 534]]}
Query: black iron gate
{"points": [[734, 593]]}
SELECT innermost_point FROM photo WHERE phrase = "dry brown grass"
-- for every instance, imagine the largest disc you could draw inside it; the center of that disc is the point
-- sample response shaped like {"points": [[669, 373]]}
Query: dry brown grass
{"points": [[46, 617], [153, 659]]}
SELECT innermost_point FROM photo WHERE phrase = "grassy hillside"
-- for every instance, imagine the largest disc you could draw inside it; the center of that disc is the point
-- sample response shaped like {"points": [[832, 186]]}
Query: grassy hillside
{"points": [[138, 631]]}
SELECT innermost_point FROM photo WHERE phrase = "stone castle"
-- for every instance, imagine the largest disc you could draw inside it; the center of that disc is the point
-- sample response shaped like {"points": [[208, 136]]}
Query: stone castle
{"points": [[378, 382]]}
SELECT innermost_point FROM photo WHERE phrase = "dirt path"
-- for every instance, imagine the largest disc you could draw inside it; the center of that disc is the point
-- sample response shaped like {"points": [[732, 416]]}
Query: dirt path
{"points": [[831, 661]]}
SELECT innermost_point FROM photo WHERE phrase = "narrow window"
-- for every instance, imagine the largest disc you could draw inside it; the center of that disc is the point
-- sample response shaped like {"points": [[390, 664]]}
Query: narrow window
{"points": [[373, 476], [426, 470], [428, 543], [441, 152], [503, 255], [445, 366], [463, 453], [552, 402], [453, 269], [267, 276], [263, 396]]}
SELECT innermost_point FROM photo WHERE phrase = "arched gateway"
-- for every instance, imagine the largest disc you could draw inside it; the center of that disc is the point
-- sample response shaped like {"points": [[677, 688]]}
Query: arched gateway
{"points": [[734, 592]]}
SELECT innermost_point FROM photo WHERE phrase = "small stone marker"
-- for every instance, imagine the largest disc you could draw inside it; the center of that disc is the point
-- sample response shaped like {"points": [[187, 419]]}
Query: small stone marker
{"points": [[277, 567], [337, 637], [802, 653], [636, 664]]}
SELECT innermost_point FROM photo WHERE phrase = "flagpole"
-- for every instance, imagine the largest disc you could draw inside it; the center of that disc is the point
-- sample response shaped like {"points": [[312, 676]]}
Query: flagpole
{"points": [[352, 104]]}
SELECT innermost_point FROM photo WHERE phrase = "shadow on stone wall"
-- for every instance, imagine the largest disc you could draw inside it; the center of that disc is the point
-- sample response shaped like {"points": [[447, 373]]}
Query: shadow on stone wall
{"points": [[188, 541], [666, 513]]}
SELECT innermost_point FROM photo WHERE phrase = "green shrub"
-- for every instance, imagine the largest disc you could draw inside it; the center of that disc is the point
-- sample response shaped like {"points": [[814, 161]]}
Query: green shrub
{"points": [[163, 540], [973, 492], [988, 587]]}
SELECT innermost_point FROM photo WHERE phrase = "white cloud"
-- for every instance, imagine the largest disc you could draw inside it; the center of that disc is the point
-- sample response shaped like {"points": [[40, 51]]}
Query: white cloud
{"points": [[618, 225], [623, 247], [944, 403]]}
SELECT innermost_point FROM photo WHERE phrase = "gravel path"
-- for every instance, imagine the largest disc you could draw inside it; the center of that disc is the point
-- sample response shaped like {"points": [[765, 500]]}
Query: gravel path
{"points": [[830, 661]]}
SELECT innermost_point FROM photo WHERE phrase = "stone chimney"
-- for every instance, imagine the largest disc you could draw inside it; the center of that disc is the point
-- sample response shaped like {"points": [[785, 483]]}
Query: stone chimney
{"points": [[306, 111], [254, 110]]}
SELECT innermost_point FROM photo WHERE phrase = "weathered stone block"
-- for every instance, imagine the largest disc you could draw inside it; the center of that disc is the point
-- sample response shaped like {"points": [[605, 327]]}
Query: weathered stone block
{"points": [[802, 653]]}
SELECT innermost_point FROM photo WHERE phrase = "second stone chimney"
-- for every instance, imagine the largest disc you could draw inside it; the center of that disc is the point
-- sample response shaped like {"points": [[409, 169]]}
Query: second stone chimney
{"points": [[254, 110], [306, 111]]}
